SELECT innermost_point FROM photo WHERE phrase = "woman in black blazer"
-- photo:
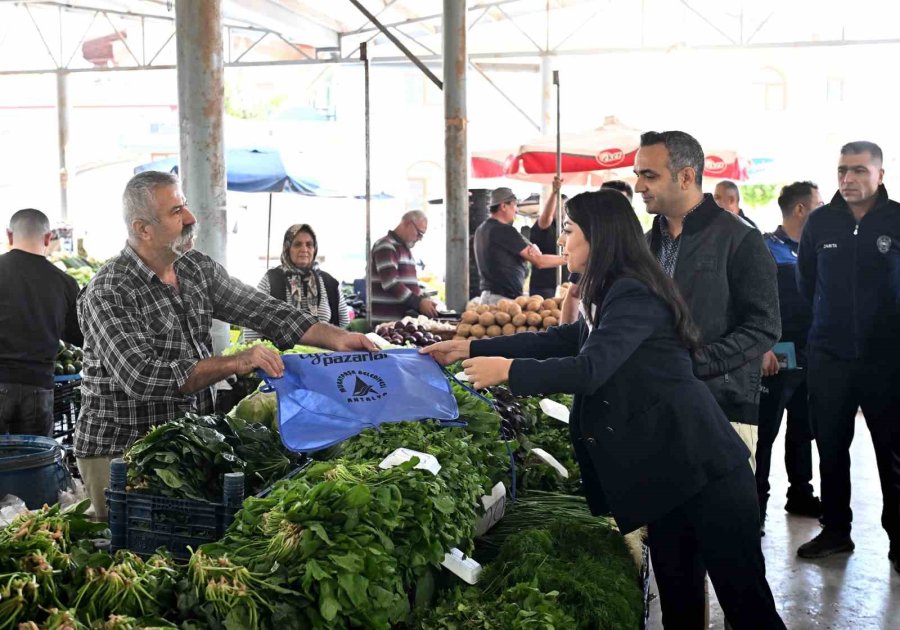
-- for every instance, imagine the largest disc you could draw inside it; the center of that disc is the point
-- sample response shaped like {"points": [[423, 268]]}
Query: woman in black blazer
{"points": [[653, 445]]}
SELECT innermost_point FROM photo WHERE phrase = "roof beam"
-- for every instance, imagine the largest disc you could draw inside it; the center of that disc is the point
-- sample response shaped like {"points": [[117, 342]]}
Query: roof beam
{"points": [[435, 16], [398, 43], [319, 17], [273, 16]]}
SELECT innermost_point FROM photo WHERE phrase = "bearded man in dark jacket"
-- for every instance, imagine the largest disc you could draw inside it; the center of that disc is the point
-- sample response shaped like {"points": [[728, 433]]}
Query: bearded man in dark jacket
{"points": [[722, 268]]}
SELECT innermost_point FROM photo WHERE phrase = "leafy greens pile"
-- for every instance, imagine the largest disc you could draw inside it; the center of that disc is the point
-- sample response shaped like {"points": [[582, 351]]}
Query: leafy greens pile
{"points": [[187, 457], [350, 539]]}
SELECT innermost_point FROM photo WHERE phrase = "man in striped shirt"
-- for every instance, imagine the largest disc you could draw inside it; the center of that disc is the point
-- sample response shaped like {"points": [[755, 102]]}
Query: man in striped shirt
{"points": [[395, 286]]}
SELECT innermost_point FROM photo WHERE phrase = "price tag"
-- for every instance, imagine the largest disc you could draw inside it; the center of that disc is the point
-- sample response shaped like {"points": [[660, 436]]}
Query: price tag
{"points": [[494, 508], [555, 410], [462, 377], [548, 458], [401, 455], [467, 569], [497, 492]]}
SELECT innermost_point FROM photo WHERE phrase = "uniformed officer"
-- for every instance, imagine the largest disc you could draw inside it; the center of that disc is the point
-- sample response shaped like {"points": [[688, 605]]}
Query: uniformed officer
{"points": [[784, 373], [847, 270]]}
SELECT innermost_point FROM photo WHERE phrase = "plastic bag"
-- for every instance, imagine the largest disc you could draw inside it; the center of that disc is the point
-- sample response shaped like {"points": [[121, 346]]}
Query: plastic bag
{"points": [[72, 494], [10, 507], [323, 399]]}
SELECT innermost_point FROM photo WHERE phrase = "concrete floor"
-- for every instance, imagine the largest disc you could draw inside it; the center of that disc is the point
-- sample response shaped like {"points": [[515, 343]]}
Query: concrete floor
{"points": [[857, 591]]}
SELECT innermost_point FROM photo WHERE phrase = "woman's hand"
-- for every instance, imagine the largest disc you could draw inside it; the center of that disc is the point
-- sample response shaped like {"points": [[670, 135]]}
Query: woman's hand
{"points": [[487, 371], [447, 352]]}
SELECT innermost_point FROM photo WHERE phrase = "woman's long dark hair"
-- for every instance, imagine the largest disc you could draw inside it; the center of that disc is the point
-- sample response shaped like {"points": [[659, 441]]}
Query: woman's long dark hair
{"points": [[619, 250]]}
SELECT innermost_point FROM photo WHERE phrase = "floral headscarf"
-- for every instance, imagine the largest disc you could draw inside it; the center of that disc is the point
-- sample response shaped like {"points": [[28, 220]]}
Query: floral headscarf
{"points": [[303, 283]]}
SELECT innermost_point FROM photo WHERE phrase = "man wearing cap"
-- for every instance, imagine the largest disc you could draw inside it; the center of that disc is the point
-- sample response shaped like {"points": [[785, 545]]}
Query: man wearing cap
{"points": [[502, 253]]}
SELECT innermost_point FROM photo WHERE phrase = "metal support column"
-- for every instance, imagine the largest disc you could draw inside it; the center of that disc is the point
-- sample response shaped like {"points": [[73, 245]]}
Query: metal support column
{"points": [[62, 117], [456, 154], [201, 90]]}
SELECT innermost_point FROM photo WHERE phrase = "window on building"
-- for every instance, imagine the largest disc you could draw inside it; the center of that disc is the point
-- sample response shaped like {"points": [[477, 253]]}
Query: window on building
{"points": [[416, 193], [771, 89]]}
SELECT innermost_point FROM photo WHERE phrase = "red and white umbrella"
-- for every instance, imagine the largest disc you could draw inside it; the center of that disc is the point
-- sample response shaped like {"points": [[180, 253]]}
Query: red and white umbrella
{"points": [[611, 146], [590, 158], [726, 164]]}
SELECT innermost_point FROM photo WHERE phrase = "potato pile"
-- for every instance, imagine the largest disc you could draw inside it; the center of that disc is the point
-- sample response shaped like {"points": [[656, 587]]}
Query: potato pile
{"points": [[508, 317]]}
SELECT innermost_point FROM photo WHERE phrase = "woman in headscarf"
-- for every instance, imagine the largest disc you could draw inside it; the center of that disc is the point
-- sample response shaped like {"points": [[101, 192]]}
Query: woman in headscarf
{"points": [[299, 281]]}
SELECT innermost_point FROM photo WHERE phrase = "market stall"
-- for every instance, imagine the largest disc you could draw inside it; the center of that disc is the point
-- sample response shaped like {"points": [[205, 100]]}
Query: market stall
{"points": [[480, 525]]}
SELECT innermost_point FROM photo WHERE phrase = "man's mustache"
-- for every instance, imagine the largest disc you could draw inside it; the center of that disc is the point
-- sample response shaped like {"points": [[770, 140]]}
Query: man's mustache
{"points": [[188, 232]]}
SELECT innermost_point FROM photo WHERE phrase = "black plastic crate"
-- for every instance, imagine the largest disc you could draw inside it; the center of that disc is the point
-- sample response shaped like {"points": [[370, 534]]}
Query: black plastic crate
{"points": [[142, 523], [66, 406]]}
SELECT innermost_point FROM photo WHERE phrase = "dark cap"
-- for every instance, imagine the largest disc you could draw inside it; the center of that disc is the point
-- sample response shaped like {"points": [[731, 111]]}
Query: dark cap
{"points": [[501, 195]]}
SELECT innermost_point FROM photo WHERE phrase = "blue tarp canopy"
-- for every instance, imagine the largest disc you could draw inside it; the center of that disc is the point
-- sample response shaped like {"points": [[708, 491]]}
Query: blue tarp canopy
{"points": [[254, 170], [262, 170]]}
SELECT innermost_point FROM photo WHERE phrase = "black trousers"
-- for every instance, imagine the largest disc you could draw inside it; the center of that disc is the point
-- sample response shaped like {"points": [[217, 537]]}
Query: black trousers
{"points": [[716, 531], [837, 388], [785, 391], [26, 409]]}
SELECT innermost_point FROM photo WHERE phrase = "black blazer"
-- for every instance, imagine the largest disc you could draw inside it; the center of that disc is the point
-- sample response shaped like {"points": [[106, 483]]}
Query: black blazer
{"points": [[647, 434]]}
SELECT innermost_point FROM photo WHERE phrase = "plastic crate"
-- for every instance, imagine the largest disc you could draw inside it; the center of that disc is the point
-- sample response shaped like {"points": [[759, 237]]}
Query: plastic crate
{"points": [[142, 523], [66, 406]]}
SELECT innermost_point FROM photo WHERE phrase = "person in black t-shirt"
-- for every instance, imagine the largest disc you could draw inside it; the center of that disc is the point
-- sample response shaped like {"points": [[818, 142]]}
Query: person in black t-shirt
{"points": [[502, 253], [37, 309], [544, 235]]}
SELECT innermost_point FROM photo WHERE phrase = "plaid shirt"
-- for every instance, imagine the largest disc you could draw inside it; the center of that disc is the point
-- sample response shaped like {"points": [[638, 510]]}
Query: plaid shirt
{"points": [[142, 339], [668, 251]]}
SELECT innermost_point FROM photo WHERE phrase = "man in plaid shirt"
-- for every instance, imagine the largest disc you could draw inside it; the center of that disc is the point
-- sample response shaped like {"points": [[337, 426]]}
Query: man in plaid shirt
{"points": [[146, 318]]}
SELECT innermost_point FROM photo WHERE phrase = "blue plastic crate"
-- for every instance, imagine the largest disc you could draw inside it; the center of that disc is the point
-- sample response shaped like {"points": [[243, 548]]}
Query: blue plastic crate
{"points": [[143, 523]]}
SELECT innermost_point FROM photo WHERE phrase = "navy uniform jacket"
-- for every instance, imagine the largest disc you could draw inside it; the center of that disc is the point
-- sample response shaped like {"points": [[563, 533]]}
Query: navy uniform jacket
{"points": [[647, 433], [796, 314], [850, 273]]}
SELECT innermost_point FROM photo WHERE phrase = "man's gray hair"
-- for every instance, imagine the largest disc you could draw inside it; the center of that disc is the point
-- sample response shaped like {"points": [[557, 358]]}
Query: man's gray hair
{"points": [[29, 223], [729, 185], [414, 215], [684, 151], [137, 200]]}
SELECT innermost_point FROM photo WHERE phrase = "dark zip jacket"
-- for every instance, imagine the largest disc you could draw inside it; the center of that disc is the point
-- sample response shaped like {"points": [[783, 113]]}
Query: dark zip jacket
{"points": [[795, 312], [728, 279], [850, 273]]}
